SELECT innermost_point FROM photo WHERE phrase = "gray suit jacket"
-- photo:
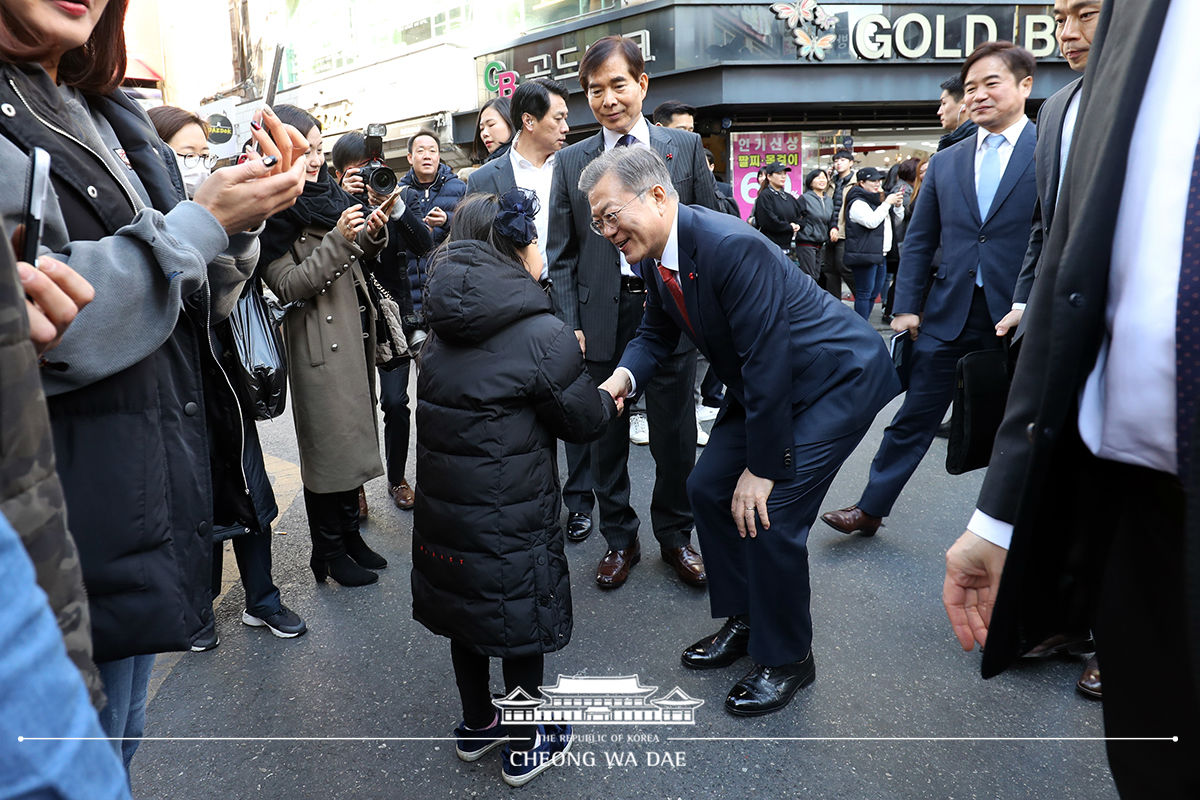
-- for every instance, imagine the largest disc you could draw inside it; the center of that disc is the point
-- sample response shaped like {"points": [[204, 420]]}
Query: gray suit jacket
{"points": [[494, 177], [585, 268], [1047, 156]]}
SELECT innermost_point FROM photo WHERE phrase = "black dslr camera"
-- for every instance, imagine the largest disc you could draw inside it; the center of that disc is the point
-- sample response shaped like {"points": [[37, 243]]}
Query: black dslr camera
{"points": [[377, 175]]}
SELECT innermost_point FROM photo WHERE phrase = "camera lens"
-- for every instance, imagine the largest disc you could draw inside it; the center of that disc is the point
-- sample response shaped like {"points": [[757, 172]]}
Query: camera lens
{"points": [[382, 180]]}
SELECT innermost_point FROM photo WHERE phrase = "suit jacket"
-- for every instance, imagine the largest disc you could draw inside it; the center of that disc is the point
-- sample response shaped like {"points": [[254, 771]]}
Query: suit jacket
{"points": [[585, 268], [1047, 156], [793, 357], [949, 214], [1034, 479], [494, 177]]}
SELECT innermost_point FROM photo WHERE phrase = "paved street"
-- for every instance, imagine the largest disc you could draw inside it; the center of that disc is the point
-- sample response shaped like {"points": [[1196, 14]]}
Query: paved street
{"points": [[887, 667]]}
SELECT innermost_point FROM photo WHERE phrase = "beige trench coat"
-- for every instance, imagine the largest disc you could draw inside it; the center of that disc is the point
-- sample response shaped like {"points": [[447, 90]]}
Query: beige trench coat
{"points": [[331, 365]]}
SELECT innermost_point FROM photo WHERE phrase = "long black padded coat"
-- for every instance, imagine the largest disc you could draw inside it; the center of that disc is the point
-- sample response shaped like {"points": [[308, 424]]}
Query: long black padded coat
{"points": [[501, 380]]}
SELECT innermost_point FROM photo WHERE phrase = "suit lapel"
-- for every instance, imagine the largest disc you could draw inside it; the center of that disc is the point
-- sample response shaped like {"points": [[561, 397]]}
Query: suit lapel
{"points": [[685, 244], [665, 147], [965, 162], [1054, 127], [1018, 162], [508, 179]]}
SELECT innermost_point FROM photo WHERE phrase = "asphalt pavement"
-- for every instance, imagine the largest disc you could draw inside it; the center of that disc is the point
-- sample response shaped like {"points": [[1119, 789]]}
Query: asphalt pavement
{"points": [[364, 705]]}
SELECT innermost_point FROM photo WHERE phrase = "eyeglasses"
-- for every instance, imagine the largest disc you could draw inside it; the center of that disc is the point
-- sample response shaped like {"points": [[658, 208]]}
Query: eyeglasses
{"points": [[190, 160], [609, 221]]}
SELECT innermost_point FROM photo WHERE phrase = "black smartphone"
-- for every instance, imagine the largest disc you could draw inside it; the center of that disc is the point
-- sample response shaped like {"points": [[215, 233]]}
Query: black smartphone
{"points": [[37, 187]]}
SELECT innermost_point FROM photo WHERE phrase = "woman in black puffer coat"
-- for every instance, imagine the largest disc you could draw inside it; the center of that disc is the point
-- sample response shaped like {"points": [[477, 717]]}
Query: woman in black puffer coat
{"points": [[501, 380]]}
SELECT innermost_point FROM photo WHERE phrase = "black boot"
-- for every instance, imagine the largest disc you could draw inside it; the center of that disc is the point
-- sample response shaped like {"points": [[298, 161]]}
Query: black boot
{"points": [[326, 524], [352, 541]]}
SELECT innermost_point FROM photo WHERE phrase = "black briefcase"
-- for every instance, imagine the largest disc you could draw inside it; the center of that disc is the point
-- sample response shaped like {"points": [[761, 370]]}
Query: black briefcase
{"points": [[981, 382]]}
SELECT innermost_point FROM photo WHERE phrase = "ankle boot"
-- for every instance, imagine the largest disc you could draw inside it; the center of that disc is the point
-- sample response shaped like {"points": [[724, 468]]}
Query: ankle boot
{"points": [[342, 569], [358, 550], [326, 524]]}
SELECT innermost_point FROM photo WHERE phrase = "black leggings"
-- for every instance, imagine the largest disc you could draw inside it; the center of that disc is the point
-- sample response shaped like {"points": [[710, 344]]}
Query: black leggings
{"points": [[472, 672]]}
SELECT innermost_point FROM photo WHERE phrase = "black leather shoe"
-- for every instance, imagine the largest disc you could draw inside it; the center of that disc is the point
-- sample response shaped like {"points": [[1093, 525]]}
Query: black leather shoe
{"points": [[579, 526], [721, 649], [767, 689]]}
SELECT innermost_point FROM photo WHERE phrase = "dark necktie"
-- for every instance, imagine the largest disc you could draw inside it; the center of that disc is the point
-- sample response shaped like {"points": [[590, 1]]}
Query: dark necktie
{"points": [[626, 141], [672, 284], [1187, 325]]}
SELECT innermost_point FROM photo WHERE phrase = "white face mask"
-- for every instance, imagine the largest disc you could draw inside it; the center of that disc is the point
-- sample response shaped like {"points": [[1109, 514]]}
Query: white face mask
{"points": [[192, 176]]}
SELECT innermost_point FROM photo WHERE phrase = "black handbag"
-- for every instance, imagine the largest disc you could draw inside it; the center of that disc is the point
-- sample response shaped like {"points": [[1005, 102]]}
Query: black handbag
{"points": [[981, 382], [262, 367], [391, 345]]}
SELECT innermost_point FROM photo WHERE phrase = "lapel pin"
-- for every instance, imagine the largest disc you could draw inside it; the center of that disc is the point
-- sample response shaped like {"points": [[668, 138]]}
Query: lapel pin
{"points": [[691, 276], [668, 156]]}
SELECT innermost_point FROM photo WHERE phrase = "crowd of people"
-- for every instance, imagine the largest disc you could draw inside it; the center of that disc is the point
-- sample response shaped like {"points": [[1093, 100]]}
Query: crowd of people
{"points": [[557, 294]]}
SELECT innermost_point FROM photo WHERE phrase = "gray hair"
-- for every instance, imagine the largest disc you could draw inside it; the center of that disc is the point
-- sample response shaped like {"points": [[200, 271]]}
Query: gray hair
{"points": [[638, 168]]}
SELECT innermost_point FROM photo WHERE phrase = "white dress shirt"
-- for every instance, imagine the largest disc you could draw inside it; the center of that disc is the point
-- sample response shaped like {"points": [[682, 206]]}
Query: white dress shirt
{"points": [[537, 180], [1127, 408], [670, 260], [641, 132]]}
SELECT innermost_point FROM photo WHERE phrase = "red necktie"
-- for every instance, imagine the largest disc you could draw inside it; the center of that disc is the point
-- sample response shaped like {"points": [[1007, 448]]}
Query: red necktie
{"points": [[672, 284]]}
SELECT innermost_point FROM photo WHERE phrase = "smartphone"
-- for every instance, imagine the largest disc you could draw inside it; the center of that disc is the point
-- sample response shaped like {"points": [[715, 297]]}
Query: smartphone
{"points": [[390, 202], [37, 187], [273, 81]]}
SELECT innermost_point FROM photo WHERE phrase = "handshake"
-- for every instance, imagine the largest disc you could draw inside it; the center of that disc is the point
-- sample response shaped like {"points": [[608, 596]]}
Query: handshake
{"points": [[618, 386]]}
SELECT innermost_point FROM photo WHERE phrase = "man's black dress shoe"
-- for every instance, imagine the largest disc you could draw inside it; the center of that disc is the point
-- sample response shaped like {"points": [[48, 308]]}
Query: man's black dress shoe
{"points": [[721, 649], [767, 689], [578, 526]]}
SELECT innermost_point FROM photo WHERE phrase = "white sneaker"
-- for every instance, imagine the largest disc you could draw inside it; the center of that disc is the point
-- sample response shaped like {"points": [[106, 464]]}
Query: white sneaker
{"points": [[701, 435], [706, 413], [639, 429]]}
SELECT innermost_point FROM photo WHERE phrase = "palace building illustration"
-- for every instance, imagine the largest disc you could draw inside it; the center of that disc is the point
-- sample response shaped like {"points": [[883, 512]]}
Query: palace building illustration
{"points": [[588, 700]]}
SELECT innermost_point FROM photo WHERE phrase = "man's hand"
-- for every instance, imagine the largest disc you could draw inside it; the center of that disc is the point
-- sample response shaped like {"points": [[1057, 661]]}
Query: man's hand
{"points": [[1010, 321], [795, 227], [582, 342], [834, 235], [618, 386], [907, 322], [973, 567], [435, 218], [750, 496], [352, 182], [54, 294]]}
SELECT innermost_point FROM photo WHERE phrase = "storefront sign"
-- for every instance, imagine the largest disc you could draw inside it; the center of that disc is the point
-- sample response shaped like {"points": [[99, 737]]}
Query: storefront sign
{"points": [[556, 58], [750, 152], [835, 31]]}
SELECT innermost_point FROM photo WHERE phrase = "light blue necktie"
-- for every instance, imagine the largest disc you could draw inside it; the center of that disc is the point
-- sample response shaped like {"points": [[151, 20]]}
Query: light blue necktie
{"points": [[989, 182]]}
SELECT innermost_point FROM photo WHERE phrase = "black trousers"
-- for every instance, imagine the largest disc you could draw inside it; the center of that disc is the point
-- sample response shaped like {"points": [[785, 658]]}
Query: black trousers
{"points": [[764, 577], [835, 271], [1143, 625], [930, 392], [393, 399], [472, 673], [671, 415], [253, 554]]}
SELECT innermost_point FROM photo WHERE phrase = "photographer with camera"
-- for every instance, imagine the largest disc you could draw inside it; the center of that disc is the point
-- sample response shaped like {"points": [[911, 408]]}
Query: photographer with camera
{"points": [[360, 169]]}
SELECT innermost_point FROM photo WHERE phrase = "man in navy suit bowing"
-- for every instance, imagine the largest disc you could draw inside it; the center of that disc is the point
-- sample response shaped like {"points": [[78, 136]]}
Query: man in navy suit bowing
{"points": [[977, 201], [805, 377]]}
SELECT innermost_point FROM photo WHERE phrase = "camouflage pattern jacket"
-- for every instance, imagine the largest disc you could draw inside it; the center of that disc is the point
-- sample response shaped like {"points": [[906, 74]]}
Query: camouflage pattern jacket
{"points": [[30, 494]]}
